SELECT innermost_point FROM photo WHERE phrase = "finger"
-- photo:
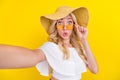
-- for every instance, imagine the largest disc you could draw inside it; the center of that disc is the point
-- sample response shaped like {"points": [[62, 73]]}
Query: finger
{"points": [[79, 28], [76, 25], [86, 31], [82, 28]]}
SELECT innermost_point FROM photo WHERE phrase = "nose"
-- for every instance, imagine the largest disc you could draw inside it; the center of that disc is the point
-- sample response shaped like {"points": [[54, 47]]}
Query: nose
{"points": [[64, 27], [65, 24]]}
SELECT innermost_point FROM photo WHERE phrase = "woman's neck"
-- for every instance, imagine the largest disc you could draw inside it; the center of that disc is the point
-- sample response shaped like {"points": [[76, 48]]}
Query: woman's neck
{"points": [[67, 43]]}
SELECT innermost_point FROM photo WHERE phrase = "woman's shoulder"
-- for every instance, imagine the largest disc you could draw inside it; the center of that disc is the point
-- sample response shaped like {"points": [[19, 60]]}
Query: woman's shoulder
{"points": [[49, 45], [51, 49]]}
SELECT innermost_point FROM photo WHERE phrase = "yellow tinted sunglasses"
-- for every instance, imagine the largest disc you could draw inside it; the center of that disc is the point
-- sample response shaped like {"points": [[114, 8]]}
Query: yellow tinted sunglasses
{"points": [[68, 27]]}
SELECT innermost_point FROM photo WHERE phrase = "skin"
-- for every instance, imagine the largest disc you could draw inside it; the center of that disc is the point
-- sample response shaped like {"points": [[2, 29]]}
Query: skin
{"points": [[20, 57], [65, 34]]}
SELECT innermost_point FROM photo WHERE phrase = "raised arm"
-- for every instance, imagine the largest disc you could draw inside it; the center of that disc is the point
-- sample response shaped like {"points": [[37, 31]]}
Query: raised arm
{"points": [[82, 33], [92, 64], [19, 57]]}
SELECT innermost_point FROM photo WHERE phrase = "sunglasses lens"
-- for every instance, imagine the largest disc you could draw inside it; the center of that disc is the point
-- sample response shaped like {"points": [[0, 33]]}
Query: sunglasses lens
{"points": [[60, 27], [69, 27]]}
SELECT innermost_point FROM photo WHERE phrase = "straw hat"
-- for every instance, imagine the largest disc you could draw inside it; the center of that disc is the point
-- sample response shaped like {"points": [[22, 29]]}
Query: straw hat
{"points": [[81, 14]]}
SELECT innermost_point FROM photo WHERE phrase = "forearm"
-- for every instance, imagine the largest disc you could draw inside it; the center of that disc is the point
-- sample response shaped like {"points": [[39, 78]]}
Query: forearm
{"points": [[16, 57], [90, 57]]}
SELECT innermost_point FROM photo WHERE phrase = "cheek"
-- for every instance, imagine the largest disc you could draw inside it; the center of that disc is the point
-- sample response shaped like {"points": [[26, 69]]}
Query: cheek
{"points": [[59, 33], [70, 32]]}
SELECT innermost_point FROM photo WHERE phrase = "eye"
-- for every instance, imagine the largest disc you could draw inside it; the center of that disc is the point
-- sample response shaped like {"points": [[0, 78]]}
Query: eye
{"points": [[59, 22], [70, 22]]}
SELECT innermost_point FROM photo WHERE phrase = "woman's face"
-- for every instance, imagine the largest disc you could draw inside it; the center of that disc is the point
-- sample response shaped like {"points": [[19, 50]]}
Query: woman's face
{"points": [[65, 27]]}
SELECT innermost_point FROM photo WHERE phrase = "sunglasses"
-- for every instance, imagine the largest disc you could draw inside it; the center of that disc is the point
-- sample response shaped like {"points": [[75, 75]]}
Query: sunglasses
{"points": [[61, 27], [68, 26]]}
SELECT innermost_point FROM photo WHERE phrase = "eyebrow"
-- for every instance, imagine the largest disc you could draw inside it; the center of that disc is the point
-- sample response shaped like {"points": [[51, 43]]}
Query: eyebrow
{"points": [[70, 18]]}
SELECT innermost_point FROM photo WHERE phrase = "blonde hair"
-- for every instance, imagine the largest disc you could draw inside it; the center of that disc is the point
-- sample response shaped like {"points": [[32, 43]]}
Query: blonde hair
{"points": [[54, 37]]}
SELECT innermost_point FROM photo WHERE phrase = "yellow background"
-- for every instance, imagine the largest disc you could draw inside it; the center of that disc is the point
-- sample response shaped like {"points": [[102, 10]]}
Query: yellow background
{"points": [[20, 25]]}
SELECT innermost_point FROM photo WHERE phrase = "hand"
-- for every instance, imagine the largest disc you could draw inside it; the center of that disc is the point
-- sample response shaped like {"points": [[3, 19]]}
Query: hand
{"points": [[82, 32]]}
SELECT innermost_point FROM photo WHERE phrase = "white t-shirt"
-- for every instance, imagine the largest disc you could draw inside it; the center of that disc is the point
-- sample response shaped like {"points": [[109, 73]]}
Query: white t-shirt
{"points": [[70, 69]]}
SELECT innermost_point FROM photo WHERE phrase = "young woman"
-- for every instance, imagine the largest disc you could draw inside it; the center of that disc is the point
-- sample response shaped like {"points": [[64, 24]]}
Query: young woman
{"points": [[66, 54]]}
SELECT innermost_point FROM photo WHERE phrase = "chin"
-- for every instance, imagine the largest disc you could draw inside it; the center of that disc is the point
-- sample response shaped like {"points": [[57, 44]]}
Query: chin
{"points": [[65, 38]]}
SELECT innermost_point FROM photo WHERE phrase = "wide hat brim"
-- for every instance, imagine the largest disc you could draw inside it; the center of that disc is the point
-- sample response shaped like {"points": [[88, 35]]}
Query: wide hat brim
{"points": [[81, 14]]}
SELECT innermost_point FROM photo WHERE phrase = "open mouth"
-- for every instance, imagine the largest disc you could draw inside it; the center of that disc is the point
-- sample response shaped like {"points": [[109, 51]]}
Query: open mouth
{"points": [[65, 34]]}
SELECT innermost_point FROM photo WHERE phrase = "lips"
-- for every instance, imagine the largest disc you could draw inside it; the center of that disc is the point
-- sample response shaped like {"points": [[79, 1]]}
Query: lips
{"points": [[65, 34]]}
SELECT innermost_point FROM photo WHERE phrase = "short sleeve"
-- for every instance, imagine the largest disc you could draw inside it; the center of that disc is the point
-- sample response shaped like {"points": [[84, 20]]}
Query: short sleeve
{"points": [[43, 68], [54, 58]]}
